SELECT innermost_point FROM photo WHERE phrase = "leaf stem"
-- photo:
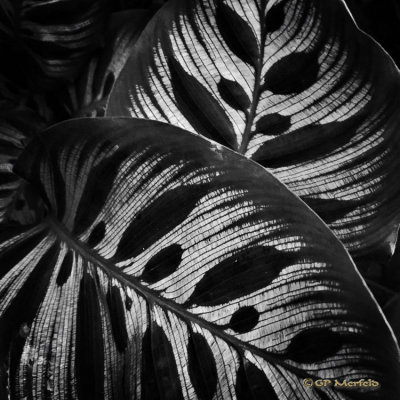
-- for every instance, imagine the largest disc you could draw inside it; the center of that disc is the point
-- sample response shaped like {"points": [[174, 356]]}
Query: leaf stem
{"points": [[257, 87]]}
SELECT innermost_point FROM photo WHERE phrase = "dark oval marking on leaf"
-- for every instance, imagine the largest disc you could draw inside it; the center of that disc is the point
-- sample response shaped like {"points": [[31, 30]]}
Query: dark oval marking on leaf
{"points": [[313, 345], [89, 362], [165, 368], [244, 319], [65, 269], [97, 234], [199, 107], [306, 143], [243, 273], [252, 383], [330, 210], [163, 264], [98, 185], [128, 302], [17, 251], [273, 124], [237, 34], [160, 217], [275, 17], [117, 317], [233, 94], [292, 74], [202, 367], [148, 376]]}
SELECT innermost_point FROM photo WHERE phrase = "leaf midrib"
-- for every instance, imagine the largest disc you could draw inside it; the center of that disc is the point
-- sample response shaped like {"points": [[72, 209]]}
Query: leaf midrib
{"points": [[152, 297], [257, 85]]}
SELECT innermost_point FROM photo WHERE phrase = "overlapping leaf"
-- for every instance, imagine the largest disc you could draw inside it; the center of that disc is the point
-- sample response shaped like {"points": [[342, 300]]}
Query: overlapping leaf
{"points": [[45, 43], [170, 267], [292, 84]]}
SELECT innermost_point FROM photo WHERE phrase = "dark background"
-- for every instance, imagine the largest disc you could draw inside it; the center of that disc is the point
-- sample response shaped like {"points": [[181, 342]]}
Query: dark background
{"points": [[381, 20]]}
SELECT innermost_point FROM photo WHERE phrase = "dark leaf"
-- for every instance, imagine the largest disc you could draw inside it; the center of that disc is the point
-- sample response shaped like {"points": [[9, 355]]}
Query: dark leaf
{"points": [[18, 201], [46, 43]]}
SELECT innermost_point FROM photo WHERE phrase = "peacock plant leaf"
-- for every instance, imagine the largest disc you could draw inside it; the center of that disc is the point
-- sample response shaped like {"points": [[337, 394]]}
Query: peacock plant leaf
{"points": [[170, 267], [291, 84]]}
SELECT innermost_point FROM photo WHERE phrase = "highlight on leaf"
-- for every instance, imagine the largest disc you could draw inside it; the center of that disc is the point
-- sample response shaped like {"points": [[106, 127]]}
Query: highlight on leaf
{"points": [[183, 270], [291, 84]]}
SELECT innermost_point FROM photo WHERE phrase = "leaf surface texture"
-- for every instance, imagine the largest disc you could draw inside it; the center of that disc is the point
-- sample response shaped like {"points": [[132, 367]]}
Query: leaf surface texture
{"points": [[170, 267]]}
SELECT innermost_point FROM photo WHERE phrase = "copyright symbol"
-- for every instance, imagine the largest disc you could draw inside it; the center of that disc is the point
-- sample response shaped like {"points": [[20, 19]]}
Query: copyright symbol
{"points": [[308, 382]]}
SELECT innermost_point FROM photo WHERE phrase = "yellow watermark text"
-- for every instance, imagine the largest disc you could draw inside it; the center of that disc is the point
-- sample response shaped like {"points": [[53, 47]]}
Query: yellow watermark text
{"points": [[344, 383]]}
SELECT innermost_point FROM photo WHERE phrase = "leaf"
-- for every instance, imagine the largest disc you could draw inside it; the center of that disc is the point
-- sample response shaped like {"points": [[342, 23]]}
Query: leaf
{"points": [[88, 94], [196, 275], [46, 43], [18, 202], [323, 101]]}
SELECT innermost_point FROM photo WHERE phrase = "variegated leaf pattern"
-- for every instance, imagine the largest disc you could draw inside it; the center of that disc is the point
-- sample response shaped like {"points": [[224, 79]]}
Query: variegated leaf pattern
{"points": [[293, 85], [170, 267]]}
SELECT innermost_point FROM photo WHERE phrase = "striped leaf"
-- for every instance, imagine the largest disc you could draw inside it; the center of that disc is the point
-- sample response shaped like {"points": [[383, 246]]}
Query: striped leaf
{"points": [[169, 267], [45, 43], [291, 84]]}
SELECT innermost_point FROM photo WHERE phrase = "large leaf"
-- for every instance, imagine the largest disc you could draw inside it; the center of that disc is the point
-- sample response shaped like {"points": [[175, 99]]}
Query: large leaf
{"points": [[169, 267], [292, 84], [45, 43]]}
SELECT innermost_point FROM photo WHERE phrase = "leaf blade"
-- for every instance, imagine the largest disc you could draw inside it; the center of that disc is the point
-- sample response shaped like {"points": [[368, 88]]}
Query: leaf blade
{"points": [[233, 213], [310, 68]]}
